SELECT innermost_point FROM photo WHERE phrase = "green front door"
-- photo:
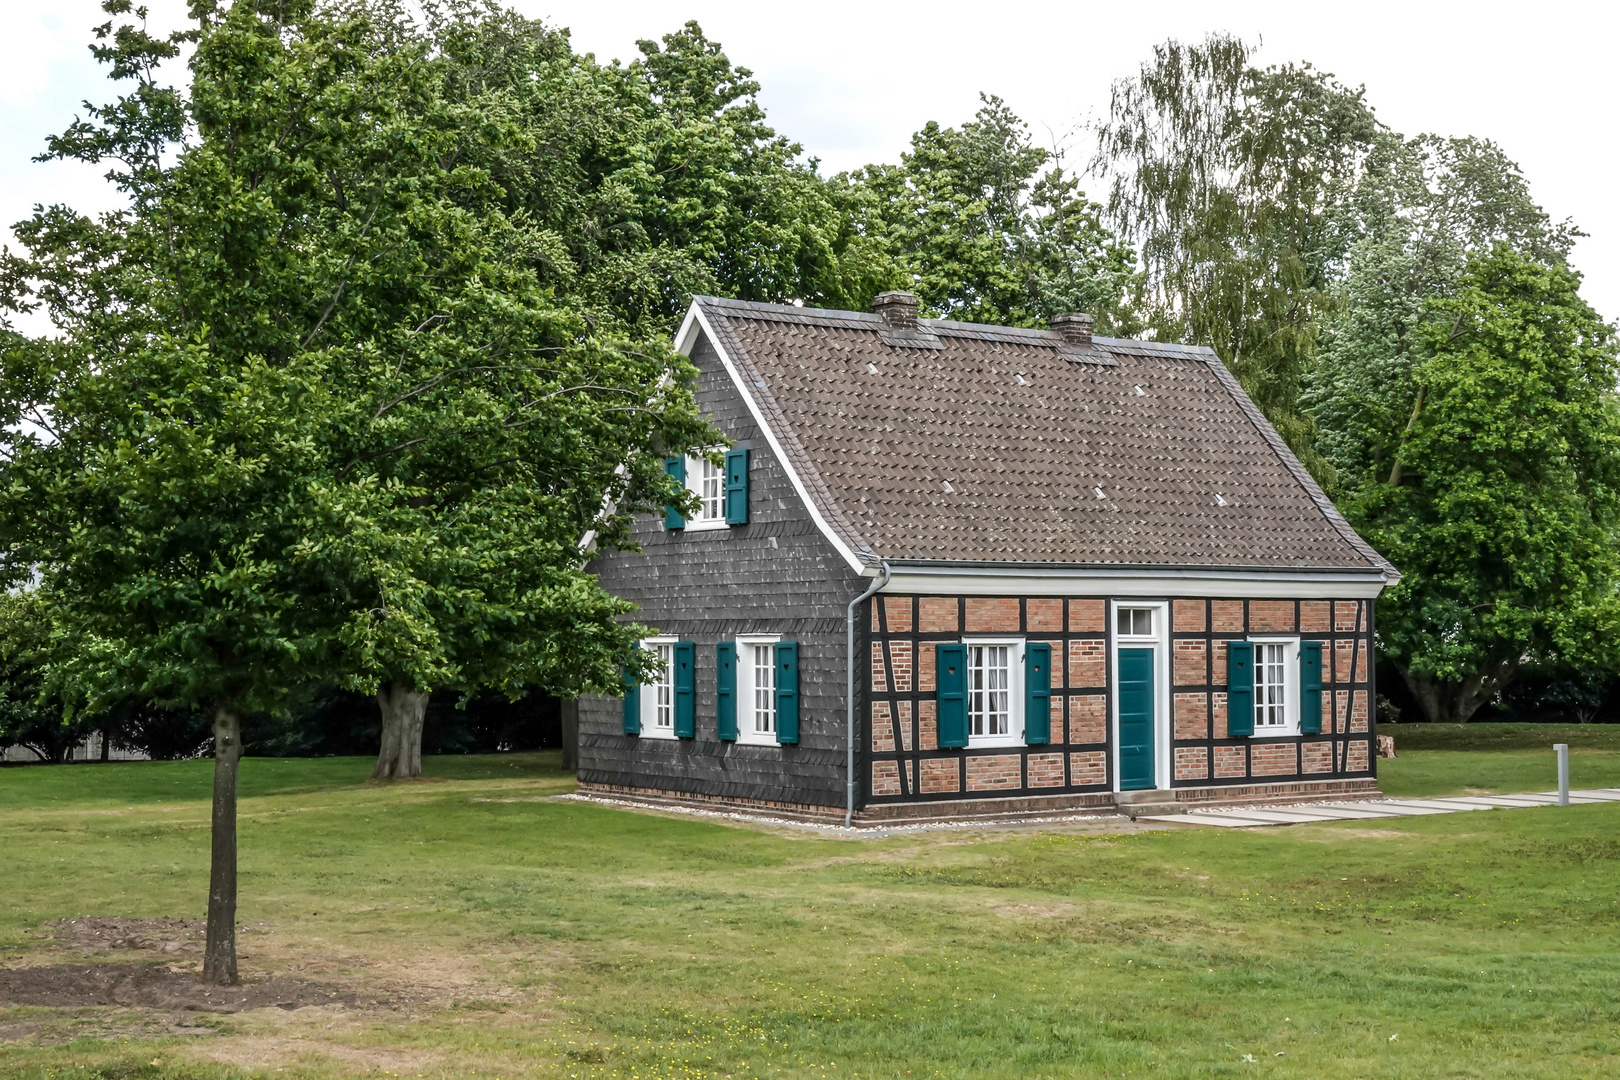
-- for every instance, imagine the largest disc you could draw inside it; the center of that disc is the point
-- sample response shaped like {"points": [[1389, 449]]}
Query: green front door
{"points": [[1135, 719]]}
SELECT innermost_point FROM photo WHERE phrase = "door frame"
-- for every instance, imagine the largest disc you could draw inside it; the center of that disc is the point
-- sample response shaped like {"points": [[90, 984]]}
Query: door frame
{"points": [[1159, 642]]}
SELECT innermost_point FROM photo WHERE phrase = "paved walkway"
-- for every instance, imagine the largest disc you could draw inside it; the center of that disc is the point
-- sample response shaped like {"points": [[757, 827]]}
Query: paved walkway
{"points": [[1246, 817]]}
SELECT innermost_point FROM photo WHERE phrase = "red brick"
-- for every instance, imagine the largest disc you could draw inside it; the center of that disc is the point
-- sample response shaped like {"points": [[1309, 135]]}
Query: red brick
{"points": [[1318, 757], [1189, 617], [885, 778], [992, 615], [882, 728], [1191, 664], [1273, 759], [1058, 672], [1192, 763], [938, 615], [880, 674], [903, 711], [1088, 718], [997, 772], [1192, 716], [1088, 767], [1230, 761], [1344, 615], [1226, 616], [1088, 617], [1088, 662], [1315, 616], [1356, 756], [941, 775], [1361, 661], [1217, 714], [898, 611], [1270, 616], [1045, 616], [1045, 770], [900, 665], [1341, 710], [1217, 666], [927, 727], [1344, 653], [1358, 712]]}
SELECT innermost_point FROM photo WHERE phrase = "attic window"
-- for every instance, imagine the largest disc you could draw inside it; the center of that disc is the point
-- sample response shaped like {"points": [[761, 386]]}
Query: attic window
{"points": [[947, 485], [1220, 500], [871, 369], [1021, 380], [1140, 392], [1099, 492]]}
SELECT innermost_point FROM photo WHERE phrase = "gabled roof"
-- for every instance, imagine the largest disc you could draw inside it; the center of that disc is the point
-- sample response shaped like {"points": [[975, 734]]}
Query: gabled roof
{"points": [[965, 443]]}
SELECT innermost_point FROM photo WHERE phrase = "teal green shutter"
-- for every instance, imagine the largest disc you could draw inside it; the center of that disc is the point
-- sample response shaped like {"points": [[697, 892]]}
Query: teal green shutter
{"points": [[1310, 688], [1240, 688], [1038, 694], [725, 690], [632, 704], [685, 690], [787, 692], [950, 675], [676, 468], [737, 487]]}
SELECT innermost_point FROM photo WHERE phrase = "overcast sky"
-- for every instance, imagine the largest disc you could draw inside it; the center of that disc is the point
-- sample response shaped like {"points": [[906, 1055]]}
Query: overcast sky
{"points": [[851, 81]]}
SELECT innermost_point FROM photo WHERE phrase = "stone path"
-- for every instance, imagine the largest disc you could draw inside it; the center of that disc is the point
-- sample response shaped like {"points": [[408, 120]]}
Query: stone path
{"points": [[1247, 817]]}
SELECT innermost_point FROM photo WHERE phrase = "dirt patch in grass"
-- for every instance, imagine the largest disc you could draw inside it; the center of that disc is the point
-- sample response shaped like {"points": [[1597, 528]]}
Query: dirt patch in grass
{"points": [[150, 987], [168, 936]]}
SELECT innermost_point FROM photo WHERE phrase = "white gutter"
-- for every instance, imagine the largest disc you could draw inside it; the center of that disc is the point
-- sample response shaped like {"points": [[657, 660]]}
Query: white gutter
{"points": [[849, 724]]}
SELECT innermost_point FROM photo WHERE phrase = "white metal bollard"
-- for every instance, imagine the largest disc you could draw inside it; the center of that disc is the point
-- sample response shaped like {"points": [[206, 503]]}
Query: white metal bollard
{"points": [[1562, 750]]}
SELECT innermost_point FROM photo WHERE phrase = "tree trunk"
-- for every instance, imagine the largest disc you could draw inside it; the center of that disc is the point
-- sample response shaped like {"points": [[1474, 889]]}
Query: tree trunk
{"points": [[1455, 701], [219, 954], [570, 734], [403, 711]]}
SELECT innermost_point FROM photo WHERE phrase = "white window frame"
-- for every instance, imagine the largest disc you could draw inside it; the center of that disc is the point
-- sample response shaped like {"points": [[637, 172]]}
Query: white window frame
{"points": [[1159, 640], [1289, 728], [694, 484], [747, 715], [649, 690], [1015, 692]]}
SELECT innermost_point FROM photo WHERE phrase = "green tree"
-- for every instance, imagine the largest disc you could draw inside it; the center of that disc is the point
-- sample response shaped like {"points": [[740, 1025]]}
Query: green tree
{"points": [[1503, 496], [985, 226], [310, 415], [1235, 185], [650, 182], [30, 715]]}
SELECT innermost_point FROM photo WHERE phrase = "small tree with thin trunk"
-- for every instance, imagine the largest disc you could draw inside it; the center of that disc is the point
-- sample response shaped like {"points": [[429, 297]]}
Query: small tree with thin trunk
{"points": [[308, 415]]}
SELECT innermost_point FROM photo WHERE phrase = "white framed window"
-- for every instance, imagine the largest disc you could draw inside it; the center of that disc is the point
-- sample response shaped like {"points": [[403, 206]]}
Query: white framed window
{"points": [[707, 481], [1135, 622], [756, 688], [1276, 686], [995, 691], [658, 692]]}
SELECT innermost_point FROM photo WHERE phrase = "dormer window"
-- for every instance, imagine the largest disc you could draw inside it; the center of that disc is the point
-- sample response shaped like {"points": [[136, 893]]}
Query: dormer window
{"points": [[721, 490]]}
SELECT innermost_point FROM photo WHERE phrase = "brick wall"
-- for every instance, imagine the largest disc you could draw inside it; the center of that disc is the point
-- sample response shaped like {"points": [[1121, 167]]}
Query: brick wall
{"points": [[907, 631]]}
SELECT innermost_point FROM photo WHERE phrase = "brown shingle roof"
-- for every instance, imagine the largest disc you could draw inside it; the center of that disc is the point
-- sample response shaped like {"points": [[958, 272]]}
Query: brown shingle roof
{"points": [[987, 444]]}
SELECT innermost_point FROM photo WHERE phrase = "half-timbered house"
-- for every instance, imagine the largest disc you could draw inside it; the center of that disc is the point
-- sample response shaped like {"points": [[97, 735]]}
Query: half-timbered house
{"points": [[951, 569]]}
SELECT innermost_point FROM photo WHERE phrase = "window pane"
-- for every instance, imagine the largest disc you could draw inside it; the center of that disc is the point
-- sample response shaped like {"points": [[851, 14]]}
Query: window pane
{"points": [[712, 490], [664, 703], [1135, 621], [989, 690], [764, 689], [1270, 685]]}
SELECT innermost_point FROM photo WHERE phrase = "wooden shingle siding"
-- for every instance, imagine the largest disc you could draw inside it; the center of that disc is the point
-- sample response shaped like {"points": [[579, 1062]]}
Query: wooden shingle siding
{"points": [[776, 574]]}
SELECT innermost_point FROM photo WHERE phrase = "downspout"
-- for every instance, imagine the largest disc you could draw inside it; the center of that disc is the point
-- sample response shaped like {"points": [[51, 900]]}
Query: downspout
{"points": [[849, 725]]}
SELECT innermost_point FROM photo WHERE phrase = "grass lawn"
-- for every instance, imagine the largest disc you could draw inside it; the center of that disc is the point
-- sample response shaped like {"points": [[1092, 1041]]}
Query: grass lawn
{"points": [[513, 934], [1479, 759]]}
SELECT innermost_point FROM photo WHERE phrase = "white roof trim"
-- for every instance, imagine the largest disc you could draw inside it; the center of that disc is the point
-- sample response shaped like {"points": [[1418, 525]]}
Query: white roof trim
{"points": [[685, 341], [1145, 582]]}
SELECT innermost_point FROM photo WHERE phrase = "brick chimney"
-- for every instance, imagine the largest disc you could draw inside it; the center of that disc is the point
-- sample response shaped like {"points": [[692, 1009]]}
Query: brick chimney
{"points": [[898, 309], [1073, 327]]}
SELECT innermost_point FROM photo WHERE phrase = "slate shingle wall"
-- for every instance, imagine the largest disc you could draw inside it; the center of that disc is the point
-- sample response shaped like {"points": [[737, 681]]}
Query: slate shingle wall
{"points": [[777, 574]]}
